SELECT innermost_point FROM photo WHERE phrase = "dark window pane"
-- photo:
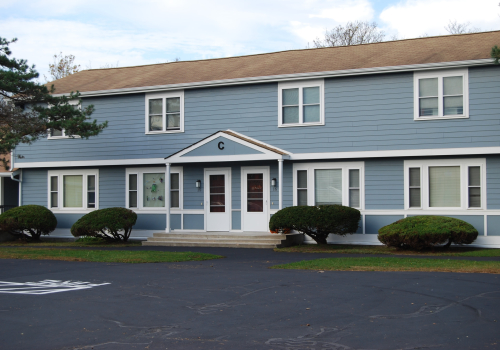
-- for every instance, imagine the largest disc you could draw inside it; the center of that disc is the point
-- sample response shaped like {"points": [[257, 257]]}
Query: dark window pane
{"points": [[290, 97], [174, 199], [155, 123], [301, 197], [53, 200], [173, 121], [53, 183], [254, 185], [415, 198], [91, 182], [474, 176], [155, 106], [217, 199], [132, 182], [415, 177], [55, 132], [474, 197], [91, 200], [302, 179], [132, 199], [428, 106], [255, 206], [173, 104], [353, 178], [311, 114], [290, 115], [354, 198], [174, 181], [217, 209]]}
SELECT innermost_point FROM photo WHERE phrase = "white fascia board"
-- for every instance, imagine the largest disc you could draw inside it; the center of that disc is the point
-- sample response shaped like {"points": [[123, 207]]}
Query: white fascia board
{"points": [[289, 77], [66, 164], [397, 153], [274, 156], [255, 140]]}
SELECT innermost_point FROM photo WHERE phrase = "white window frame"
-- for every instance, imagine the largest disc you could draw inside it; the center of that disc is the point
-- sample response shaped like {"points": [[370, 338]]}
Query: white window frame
{"points": [[64, 136], [140, 188], [464, 73], [164, 96], [464, 165], [344, 166], [301, 85], [60, 189]]}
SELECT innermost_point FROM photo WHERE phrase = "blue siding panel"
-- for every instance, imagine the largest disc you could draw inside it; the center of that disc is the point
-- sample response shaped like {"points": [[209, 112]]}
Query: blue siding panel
{"points": [[236, 220], [34, 188], [112, 189], [175, 223], [493, 225], [493, 182], [150, 222], [374, 222], [67, 220], [194, 222], [384, 184], [193, 197], [236, 186]]}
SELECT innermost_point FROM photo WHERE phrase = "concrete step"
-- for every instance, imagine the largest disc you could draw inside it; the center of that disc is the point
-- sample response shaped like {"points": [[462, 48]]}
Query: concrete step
{"points": [[216, 237], [210, 244], [214, 241]]}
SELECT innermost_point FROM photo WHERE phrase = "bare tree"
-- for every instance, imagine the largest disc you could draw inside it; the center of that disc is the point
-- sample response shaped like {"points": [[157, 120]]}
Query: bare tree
{"points": [[62, 67], [460, 28], [354, 33]]}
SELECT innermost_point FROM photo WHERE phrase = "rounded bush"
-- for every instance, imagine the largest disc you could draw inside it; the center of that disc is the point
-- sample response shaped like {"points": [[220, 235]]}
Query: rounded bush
{"points": [[111, 224], [317, 221], [420, 232], [28, 221]]}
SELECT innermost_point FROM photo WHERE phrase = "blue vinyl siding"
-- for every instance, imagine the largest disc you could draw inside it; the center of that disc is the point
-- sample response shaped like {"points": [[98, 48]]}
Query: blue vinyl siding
{"points": [[193, 197], [150, 222], [375, 222], [194, 221], [34, 187], [176, 220], [493, 182], [363, 113], [236, 220], [384, 184], [493, 225], [112, 189], [67, 220], [236, 186], [229, 148]]}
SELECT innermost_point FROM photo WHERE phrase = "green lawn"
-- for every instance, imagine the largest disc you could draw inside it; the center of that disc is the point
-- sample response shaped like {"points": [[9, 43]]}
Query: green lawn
{"points": [[108, 256], [394, 264], [360, 249]]}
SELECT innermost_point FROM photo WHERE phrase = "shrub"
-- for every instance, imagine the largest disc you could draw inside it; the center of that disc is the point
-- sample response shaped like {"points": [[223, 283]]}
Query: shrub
{"points": [[28, 221], [317, 221], [111, 224], [420, 232]]}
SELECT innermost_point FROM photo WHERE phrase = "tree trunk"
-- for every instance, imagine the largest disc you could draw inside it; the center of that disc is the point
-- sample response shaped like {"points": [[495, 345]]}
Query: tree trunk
{"points": [[447, 245], [320, 239]]}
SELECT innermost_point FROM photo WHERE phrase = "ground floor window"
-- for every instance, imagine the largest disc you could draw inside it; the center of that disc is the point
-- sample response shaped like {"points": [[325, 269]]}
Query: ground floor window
{"points": [[445, 183], [146, 188], [328, 183], [73, 189]]}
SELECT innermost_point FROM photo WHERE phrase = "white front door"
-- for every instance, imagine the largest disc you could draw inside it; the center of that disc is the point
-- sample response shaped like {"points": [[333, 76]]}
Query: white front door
{"points": [[218, 199], [255, 198]]}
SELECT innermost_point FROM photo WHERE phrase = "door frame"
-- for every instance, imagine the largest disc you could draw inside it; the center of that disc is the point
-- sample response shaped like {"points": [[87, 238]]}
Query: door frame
{"points": [[206, 194], [266, 196]]}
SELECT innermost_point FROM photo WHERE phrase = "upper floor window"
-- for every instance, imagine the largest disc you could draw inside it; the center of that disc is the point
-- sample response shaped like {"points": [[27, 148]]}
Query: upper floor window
{"points": [[301, 103], [73, 189], [61, 134], [165, 112], [441, 94]]}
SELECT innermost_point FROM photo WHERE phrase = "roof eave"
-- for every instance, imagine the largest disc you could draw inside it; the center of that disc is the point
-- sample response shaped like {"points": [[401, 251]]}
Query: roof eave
{"points": [[288, 77]]}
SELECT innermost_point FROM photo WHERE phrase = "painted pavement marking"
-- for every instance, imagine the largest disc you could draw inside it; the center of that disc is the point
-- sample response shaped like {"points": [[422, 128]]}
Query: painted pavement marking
{"points": [[45, 287]]}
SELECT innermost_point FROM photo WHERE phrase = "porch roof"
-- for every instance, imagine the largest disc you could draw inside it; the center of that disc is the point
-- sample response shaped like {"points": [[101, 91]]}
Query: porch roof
{"points": [[227, 145]]}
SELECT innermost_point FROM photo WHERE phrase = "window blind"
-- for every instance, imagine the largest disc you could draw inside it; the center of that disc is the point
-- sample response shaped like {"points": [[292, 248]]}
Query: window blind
{"points": [[328, 186], [73, 191], [444, 186]]}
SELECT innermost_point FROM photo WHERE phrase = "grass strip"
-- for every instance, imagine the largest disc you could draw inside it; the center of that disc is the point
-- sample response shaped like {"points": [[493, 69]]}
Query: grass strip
{"points": [[394, 264], [108, 256], [356, 249], [70, 244]]}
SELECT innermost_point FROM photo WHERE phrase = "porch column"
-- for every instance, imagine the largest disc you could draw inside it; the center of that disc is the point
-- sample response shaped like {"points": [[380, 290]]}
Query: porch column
{"points": [[167, 196], [280, 184]]}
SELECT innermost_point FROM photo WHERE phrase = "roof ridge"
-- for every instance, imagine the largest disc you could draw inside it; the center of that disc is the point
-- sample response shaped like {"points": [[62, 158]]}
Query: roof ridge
{"points": [[284, 51]]}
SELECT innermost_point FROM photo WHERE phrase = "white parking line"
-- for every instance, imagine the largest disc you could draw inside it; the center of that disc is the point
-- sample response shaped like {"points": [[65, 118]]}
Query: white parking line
{"points": [[45, 287]]}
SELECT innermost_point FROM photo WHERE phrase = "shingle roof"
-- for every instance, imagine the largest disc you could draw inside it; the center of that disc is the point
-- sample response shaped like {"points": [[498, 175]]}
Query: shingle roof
{"points": [[448, 48]]}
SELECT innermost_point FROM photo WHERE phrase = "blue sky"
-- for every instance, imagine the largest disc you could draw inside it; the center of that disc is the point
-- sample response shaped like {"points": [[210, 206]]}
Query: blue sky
{"points": [[131, 32]]}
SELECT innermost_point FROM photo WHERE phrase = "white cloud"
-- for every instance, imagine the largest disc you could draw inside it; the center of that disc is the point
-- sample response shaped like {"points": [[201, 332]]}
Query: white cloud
{"points": [[413, 18], [357, 10]]}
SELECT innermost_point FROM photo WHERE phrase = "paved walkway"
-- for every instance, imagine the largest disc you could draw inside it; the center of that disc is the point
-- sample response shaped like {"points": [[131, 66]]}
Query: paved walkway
{"points": [[238, 303]]}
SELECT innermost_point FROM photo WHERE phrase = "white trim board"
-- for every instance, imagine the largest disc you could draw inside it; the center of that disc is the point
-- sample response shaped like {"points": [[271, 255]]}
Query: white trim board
{"points": [[289, 77], [296, 156]]}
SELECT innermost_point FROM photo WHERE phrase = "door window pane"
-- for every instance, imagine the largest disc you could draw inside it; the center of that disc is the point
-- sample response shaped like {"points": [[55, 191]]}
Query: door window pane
{"points": [[72, 191], [153, 190], [217, 193], [255, 193], [444, 186], [328, 186]]}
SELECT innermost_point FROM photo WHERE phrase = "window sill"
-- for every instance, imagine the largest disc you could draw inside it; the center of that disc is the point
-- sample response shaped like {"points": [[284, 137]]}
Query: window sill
{"points": [[63, 137], [72, 210], [444, 117], [304, 124], [155, 211], [164, 132]]}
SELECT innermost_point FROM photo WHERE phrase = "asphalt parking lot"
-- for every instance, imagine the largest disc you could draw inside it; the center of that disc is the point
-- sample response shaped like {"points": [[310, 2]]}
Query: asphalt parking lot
{"points": [[238, 303]]}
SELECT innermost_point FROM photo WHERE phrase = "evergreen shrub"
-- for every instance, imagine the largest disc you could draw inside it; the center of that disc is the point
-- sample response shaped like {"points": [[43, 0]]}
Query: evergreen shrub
{"points": [[317, 221], [28, 221], [421, 232], [111, 224]]}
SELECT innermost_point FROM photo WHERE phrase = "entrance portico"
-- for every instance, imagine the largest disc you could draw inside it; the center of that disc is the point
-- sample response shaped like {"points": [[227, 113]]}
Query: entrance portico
{"points": [[227, 198]]}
